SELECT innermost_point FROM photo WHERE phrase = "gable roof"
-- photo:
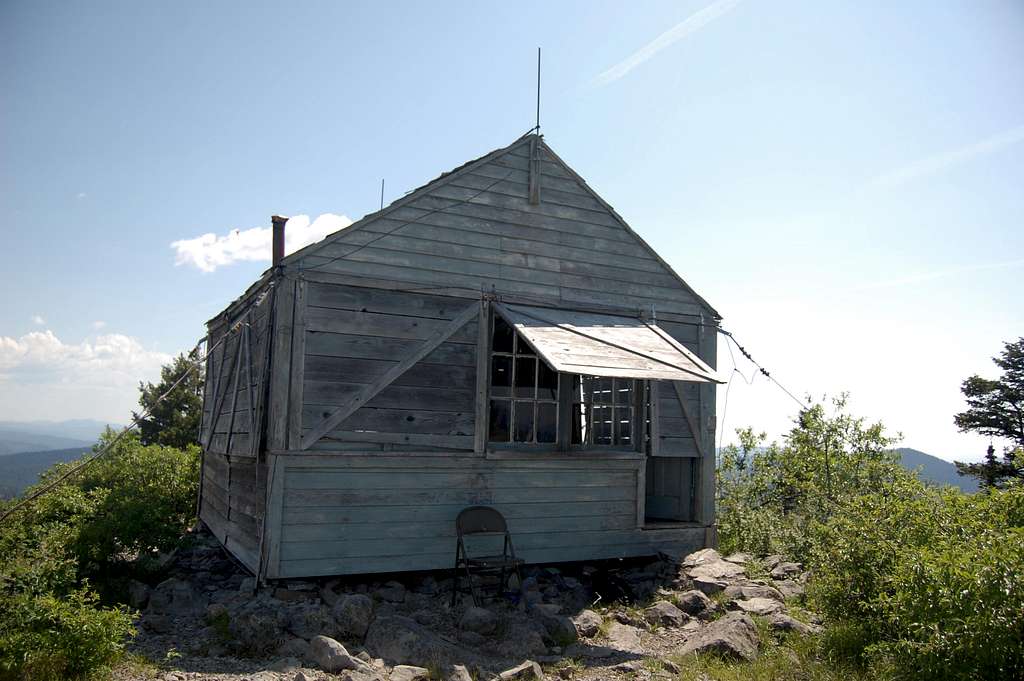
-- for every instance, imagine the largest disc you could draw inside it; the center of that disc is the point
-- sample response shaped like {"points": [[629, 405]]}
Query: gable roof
{"points": [[445, 179]]}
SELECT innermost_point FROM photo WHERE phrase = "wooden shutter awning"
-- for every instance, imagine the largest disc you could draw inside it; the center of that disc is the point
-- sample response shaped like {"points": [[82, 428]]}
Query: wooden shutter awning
{"points": [[605, 345]]}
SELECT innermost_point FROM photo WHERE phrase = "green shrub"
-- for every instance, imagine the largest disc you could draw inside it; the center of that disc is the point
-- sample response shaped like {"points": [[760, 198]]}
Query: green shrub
{"points": [[931, 578], [46, 637], [135, 501], [104, 524], [914, 581]]}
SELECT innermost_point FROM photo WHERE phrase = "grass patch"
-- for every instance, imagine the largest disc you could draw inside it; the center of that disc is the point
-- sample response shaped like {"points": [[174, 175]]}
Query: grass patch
{"points": [[791, 657]]}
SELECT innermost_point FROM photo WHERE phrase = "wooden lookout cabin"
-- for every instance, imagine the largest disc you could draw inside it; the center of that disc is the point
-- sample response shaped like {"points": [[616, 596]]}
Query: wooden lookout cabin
{"points": [[499, 337]]}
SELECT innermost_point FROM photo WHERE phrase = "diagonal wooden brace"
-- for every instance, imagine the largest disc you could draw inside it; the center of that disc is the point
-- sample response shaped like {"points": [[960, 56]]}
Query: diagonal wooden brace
{"points": [[366, 394]]}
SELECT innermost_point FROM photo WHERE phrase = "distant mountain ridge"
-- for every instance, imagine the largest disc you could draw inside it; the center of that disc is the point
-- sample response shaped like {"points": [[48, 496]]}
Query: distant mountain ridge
{"points": [[19, 471], [87, 430], [934, 469]]}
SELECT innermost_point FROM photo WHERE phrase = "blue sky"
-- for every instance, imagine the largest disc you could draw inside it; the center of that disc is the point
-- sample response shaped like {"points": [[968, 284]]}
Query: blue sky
{"points": [[843, 181]]}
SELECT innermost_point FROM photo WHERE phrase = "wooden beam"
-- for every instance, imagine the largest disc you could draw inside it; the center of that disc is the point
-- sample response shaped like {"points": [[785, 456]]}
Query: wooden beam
{"points": [[534, 172], [218, 400], [297, 363], [366, 394], [483, 366], [280, 363]]}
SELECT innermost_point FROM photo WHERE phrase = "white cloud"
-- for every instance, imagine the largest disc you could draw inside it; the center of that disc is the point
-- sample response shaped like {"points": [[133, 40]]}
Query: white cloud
{"points": [[38, 320], [210, 251], [81, 195], [98, 324], [937, 163], [43, 377], [685, 28]]}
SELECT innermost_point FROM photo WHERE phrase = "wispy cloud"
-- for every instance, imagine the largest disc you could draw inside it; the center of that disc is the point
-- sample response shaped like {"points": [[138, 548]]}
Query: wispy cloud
{"points": [[921, 277], [683, 29], [210, 251], [98, 324], [81, 195], [38, 320], [937, 163]]}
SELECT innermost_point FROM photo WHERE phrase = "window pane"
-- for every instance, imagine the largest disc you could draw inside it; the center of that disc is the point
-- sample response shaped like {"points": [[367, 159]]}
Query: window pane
{"points": [[501, 339], [523, 428], [547, 421], [547, 382], [526, 378], [623, 391], [522, 347], [501, 376], [602, 425], [499, 421], [624, 426], [602, 388]]}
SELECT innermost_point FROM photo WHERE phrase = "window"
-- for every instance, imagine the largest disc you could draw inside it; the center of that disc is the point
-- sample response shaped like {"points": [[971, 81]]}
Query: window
{"points": [[603, 410], [531, 404], [524, 391]]}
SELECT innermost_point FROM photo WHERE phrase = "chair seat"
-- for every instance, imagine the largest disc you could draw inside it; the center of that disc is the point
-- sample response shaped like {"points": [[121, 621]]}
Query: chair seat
{"points": [[495, 561]]}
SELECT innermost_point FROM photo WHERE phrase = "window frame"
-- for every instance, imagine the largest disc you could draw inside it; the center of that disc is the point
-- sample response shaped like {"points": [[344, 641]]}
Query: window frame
{"points": [[562, 444]]}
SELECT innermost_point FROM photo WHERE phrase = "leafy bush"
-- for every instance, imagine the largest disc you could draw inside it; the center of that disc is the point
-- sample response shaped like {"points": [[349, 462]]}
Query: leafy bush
{"points": [[125, 507], [931, 577], [110, 519], [915, 581], [48, 637]]}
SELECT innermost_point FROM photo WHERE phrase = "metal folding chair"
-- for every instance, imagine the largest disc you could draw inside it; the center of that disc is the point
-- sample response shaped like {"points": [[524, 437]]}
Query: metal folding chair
{"points": [[483, 520]]}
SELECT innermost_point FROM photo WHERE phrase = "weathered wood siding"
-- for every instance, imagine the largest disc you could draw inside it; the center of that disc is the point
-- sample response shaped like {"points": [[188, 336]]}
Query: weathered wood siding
{"points": [[477, 229], [234, 481], [233, 502], [353, 336], [350, 514]]}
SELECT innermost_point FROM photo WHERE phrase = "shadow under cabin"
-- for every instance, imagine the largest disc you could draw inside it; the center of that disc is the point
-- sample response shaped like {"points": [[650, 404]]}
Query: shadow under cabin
{"points": [[497, 337]]}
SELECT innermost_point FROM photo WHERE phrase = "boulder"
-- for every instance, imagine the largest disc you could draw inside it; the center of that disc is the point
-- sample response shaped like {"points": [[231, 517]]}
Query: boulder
{"points": [[700, 557], [352, 614], [789, 588], [459, 673], [400, 640], [331, 656], [694, 602], [751, 590], [307, 621], [478, 620], [733, 635], [760, 606], [588, 623], [560, 629], [392, 592], [527, 671], [771, 561], [783, 622], [522, 639], [177, 599], [294, 647], [258, 626], [138, 594], [624, 638], [739, 558], [405, 672], [786, 570], [302, 676], [665, 614]]}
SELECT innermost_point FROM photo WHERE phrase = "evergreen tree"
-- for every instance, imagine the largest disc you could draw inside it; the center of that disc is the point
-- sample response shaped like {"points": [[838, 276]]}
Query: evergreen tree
{"points": [[996, 408], [176, 420]]}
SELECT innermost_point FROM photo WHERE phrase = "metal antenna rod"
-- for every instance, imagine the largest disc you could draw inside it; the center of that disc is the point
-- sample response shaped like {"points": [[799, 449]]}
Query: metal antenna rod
{"points": [[538, 91], [382, 193]]}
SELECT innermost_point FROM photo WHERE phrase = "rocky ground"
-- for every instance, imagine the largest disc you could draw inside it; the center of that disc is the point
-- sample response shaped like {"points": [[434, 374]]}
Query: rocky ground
{"points": [[206, 620]]}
